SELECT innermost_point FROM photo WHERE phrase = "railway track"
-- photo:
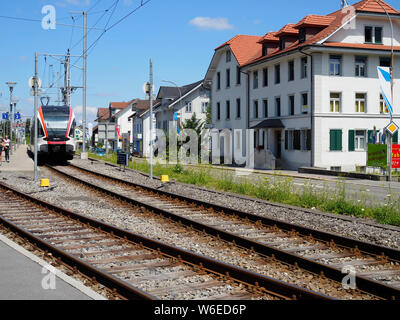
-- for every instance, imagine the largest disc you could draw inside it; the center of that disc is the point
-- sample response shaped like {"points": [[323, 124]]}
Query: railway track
{"points": [[134, 266], [377, 268]]}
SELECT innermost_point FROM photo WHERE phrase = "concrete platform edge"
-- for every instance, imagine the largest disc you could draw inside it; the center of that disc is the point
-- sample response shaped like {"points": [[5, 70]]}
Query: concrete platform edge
{"points": [[71, 281]]}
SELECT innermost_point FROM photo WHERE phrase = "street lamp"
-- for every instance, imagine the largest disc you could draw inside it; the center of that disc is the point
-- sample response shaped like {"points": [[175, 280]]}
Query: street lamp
{"points": [[11, 86], [180, 96], [180, 93]]}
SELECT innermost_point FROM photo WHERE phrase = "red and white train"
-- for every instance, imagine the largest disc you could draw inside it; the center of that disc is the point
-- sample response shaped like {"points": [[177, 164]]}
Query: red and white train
{"points": [[56, 133]]}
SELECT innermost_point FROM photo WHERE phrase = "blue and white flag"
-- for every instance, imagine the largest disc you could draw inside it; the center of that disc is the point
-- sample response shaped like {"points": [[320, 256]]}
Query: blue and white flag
{"points": [[386, 87]]}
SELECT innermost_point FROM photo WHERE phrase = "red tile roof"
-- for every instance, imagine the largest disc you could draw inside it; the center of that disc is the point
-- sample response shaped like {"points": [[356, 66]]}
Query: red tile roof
{"points": [[373, 6], [244, 47], [360, 46], [103, 114], [314, 21], [287, 30], [119, 105], [269, 37], [338, 19]]}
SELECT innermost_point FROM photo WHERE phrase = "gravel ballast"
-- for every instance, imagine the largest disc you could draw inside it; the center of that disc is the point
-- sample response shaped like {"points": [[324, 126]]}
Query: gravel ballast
{"points": [[360, 229]]}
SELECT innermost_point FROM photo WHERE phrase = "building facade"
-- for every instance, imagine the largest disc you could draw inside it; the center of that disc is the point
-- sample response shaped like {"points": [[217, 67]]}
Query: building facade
{"points": [[179, 104], [313, 93]]}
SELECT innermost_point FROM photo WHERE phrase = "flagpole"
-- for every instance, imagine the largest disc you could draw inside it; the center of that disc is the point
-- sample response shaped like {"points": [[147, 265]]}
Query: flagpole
{"points": [[392, 89]]}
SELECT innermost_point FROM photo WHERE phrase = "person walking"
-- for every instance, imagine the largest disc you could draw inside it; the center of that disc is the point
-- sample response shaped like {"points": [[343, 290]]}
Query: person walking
{"points": [[7, 149], [1, 149]]}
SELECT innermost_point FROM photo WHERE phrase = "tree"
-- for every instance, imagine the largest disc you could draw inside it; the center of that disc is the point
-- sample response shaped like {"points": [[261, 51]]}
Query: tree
{"points": [[194, 124]]}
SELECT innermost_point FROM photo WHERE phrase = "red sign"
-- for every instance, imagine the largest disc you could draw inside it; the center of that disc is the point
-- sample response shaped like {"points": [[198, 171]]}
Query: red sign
{"points": [[119, 131], [396, 156]]}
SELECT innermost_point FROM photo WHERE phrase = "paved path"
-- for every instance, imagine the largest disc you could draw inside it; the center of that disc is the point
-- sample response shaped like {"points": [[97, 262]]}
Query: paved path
{"points": [[19, 161], [21, 278]]}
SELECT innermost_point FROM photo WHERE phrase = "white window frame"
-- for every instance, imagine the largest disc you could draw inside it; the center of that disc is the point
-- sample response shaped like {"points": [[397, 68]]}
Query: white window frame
{"points": [[359, 138], [337, 102], [337, 66], [383, 109], [373, 40], [360, 66], [204, 106], [358, 102], [188, 107], [304, 107], [294, 105], [255, 79], [304, 68], [228, 56]]}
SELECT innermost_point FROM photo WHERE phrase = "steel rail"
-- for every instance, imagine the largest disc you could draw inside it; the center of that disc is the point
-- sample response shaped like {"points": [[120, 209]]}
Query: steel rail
{"points": [[363, 283], [272, 286]]}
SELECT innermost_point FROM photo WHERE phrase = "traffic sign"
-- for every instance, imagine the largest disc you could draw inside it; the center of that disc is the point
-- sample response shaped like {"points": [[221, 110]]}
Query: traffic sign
{"points": [[5, 116], [31, 82], [17, 116], [392, 128]]}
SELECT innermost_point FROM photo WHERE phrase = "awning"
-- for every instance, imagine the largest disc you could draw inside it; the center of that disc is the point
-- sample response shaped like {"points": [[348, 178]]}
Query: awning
{"points": [[270, 123]]}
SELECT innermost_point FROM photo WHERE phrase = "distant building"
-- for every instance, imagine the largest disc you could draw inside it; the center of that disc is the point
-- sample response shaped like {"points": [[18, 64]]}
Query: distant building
{"points": [[179, 104], [140, 120]]}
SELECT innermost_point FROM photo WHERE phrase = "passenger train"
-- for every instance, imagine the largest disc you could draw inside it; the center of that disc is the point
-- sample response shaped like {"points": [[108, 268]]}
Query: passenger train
{"points": [[56, 129]]}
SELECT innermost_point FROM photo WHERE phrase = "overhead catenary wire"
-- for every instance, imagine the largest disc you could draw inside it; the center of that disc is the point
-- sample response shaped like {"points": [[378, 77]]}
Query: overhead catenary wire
{"points": [[98, 20], [94, 43], [104, 30]]}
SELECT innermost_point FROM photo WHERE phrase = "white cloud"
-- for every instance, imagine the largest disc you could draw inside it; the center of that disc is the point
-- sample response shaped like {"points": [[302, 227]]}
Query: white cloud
{"points": [[90, 111], [211, 23]]}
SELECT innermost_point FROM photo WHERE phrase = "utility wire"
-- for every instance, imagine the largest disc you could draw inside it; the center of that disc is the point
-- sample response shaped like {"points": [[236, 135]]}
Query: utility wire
{"points": [[142, 4], [92, 7], [98, 20], [106, 28]]}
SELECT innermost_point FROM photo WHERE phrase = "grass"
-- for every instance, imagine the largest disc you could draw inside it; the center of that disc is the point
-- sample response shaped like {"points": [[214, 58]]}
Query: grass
{"points": [[278, 190]]}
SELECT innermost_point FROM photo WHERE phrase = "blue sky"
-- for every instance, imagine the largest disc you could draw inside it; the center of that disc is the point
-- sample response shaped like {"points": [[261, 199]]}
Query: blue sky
{"points": [[179, 35]]}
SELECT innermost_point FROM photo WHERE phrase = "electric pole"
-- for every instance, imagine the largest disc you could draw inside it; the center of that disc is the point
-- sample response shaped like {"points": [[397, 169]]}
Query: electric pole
{"points": [[35, 88], [151, 118], [84, 154], [11, 86], [67, 80], [84, 55]]}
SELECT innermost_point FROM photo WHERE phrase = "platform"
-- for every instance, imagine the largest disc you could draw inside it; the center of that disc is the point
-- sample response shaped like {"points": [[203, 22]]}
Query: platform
{"points": [[19, 161], [22, 278]]}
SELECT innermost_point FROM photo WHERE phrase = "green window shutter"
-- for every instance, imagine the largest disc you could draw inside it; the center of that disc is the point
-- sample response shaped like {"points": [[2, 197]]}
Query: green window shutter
{"points": [[286, 140], [296, 142], [332, 140], [309, 138], [396, 138], [352, 136], [339, 140]]}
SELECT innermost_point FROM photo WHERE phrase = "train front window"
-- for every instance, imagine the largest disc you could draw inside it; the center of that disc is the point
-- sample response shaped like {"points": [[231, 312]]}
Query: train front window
{"points": [[56, 121], [72, 130]]}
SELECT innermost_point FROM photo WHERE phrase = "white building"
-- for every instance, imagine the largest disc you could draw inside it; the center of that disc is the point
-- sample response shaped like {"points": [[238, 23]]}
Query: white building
{"points": [[140, 120], [123, 121], [184, 102], [311, 90]]}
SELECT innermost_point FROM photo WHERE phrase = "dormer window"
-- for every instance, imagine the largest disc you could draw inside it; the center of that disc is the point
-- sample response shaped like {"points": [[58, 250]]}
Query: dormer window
{"points": [[373, 34], [281, 43], [302, 35], [264, 50], [228, 56]]}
